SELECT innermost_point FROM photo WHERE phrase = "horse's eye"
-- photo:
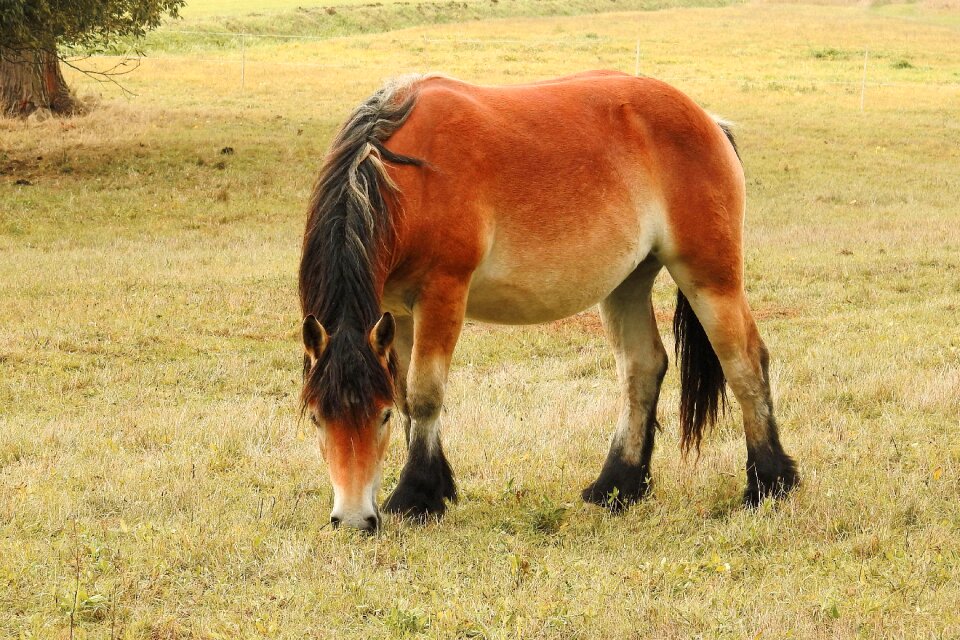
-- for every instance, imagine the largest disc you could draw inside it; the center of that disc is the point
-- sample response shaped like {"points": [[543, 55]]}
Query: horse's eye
{"points": [[314, 420], [386, 417]]}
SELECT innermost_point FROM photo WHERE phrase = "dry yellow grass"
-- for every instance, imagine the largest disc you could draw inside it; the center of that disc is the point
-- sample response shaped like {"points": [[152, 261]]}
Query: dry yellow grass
{"points": [[155, 483], [207, 8]]}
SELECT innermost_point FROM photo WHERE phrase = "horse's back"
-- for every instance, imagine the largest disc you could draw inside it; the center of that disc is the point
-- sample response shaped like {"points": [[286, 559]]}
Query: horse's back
{"points": [[550, 136]]}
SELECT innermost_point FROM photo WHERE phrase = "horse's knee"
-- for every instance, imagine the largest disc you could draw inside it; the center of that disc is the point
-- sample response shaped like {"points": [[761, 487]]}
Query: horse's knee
{"points": [[424, 405], [645, 375]]}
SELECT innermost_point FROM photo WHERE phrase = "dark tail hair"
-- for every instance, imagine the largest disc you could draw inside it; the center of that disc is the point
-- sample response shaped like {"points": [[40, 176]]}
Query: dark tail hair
{"points": [[703, 392], [727, 129]]}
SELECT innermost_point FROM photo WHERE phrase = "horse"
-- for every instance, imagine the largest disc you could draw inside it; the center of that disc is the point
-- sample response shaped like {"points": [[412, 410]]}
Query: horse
{"points": [[441, 200]]}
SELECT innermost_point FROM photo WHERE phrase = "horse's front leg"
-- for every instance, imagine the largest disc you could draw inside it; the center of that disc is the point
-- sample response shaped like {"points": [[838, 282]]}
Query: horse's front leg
{"points": [[403, 348], [426, 481]]}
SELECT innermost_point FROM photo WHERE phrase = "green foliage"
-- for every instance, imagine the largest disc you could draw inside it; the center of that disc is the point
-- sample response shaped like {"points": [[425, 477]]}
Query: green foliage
{"points": [[87, 24], [831, 53], [548, 517], [405, 622]]}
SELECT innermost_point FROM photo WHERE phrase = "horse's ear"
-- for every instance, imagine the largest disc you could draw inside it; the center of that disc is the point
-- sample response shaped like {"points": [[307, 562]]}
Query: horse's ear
{"points": [[381, 336], [315, 338]]}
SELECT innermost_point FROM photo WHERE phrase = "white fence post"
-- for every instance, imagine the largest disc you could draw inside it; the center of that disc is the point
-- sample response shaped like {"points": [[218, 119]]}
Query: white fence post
{"points": [[863, 81]]}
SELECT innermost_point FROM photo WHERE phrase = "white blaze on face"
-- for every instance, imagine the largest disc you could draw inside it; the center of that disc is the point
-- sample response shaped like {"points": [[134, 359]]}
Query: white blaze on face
{"points": [[354, 459], [358, 511]]}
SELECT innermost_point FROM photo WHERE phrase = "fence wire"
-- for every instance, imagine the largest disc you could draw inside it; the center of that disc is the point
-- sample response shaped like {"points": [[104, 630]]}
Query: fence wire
{"points": [[631, 52]]}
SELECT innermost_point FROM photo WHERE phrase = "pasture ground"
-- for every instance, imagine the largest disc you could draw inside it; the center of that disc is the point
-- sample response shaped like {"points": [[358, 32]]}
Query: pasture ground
{"points": [[155, 481]]}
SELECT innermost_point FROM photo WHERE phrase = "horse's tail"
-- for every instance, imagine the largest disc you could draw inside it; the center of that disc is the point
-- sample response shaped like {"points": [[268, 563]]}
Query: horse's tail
{"points": [[727, 127], [702, 383]]}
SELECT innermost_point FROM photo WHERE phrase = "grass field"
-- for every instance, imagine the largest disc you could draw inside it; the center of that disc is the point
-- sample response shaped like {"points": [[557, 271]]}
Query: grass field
{"points": [[203, 31], [154, 479], [212, 8]]}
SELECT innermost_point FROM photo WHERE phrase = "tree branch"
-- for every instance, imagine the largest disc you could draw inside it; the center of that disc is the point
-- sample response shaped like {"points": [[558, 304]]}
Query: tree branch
{"points": [[124, 66]]}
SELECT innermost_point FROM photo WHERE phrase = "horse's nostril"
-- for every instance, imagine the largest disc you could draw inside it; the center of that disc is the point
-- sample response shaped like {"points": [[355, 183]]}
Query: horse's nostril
{"points": [[335, 521], [373, 523]]}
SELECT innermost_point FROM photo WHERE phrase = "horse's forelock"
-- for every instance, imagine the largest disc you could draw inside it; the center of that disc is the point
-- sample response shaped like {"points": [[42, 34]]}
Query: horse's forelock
{"points": [[348, 383]]}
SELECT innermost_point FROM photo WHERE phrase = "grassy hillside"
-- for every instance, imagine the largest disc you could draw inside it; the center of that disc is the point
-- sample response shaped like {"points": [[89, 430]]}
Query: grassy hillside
{"points": [[208, 8], [155, 482], [343, 19]]}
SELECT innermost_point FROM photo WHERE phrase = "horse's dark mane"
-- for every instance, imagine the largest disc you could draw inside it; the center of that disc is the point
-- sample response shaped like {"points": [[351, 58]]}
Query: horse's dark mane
{"points": [[348, 238]]}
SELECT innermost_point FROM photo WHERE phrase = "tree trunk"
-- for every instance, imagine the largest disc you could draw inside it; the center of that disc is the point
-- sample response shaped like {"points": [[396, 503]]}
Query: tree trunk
{"points": [[31, 80]]}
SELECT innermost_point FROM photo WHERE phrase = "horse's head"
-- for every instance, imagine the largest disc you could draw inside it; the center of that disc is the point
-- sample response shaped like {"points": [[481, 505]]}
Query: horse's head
{"points": [[348, 394]]}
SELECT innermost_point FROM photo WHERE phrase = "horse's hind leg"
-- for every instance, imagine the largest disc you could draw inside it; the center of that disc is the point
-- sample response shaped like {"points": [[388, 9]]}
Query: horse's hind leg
{"points": [[631, 328], [725, 317]]}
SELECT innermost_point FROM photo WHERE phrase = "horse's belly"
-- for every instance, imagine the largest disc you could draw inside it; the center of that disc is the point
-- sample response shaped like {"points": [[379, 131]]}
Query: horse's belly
{"points": [[512, 303], [535, 280]]}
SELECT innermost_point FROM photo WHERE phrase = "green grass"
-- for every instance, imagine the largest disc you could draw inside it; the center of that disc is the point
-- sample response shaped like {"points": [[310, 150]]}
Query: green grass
{"points": [[154, 479], [941, 13], [208, 8], [351, 18]]}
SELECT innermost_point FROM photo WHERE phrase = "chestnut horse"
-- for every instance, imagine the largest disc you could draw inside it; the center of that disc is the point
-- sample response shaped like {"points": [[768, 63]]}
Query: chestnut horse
{"points": [[441, 200]]}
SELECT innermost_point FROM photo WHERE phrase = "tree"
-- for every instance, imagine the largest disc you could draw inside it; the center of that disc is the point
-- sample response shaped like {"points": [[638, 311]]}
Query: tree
{"points": [[33, 33]]}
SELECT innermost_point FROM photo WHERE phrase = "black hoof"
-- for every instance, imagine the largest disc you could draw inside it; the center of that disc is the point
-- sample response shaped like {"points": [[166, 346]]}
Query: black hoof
{"points": [[771, 473], [620, 485], [418, 503], [424, 487]]}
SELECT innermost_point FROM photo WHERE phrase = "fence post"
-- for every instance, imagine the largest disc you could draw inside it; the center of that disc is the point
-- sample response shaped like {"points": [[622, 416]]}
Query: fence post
{"points": [[863, 81], [636, 65]]}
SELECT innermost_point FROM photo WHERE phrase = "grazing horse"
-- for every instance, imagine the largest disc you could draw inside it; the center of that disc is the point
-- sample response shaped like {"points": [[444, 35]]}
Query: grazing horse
{"points": [[441, 200]]}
